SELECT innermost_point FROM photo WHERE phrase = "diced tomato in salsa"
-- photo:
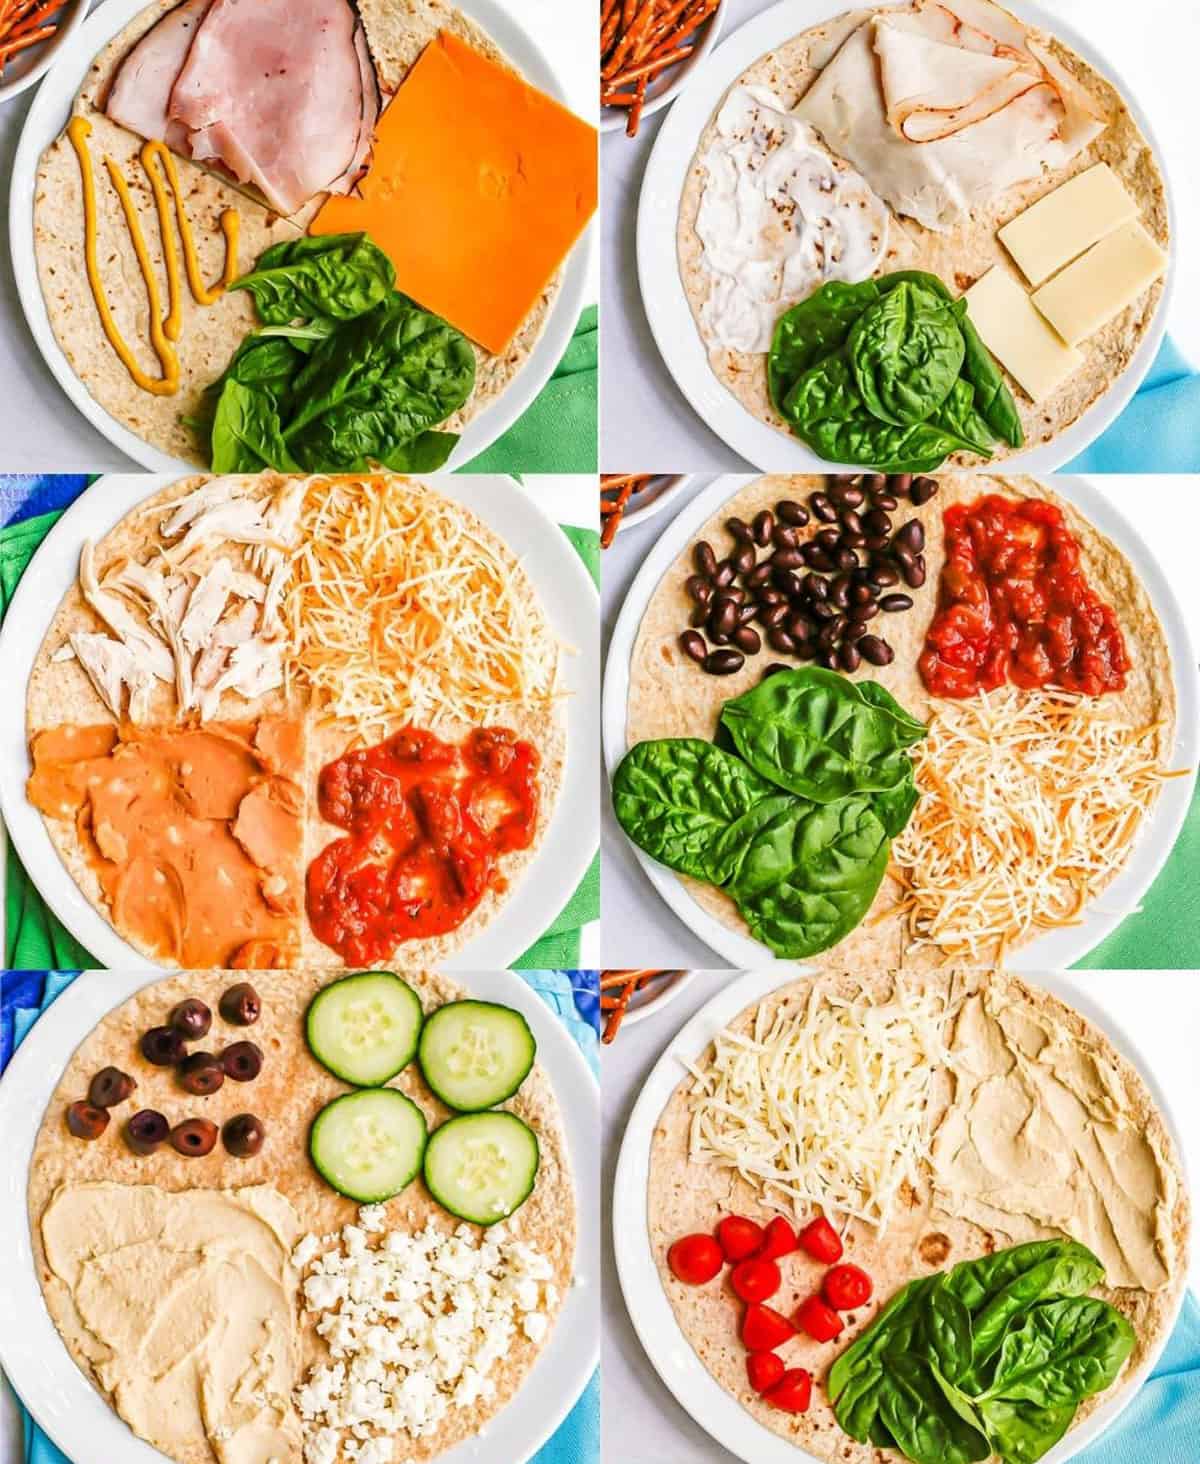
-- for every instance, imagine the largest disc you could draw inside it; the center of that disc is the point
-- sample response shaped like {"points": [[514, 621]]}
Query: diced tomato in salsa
{"points": [[1013, 605]]}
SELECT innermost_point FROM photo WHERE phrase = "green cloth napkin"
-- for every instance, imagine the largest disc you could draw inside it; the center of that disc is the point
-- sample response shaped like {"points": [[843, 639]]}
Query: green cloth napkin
{"points": [[557, 434], [35, 940]]}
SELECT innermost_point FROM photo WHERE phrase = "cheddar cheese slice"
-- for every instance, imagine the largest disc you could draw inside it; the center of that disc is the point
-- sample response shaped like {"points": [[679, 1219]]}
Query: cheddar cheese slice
{"points": [[478, 187]]}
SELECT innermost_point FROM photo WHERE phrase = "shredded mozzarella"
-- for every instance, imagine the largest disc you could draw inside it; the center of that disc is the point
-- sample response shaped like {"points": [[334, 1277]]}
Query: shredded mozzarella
{"points": [[826, 1106], [1029, 803]]}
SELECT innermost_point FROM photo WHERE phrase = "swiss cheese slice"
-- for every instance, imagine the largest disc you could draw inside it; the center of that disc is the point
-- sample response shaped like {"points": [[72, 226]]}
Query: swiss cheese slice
{"points": [[1060, 226], [479, 185], [1112, 274], [1018, 336]]}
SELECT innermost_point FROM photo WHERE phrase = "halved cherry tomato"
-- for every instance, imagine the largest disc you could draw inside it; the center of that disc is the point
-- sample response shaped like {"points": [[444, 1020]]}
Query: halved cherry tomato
{"points": [[821, 1322], [739, 1238], [793, 1391], [781, 1239], [847, 1287], [764, 1369], [821, 1241], [764, 1329], [756, 1280], [695, 1259]]}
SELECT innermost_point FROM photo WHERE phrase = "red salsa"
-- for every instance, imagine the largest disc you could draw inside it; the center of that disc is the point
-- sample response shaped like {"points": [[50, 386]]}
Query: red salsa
{"points": [[1013, 605], [426, 822]]}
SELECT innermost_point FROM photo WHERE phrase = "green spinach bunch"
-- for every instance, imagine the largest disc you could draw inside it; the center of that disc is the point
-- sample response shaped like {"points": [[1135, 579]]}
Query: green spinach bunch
{"points": [[889, 374], [795, 819], [993, 1356], [345, 373]]}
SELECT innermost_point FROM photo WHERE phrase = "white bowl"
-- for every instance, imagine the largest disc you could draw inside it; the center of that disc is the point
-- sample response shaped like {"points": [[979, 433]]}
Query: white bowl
{"points": [[656, 997], [27, 66], [653, 499], [669, 83]]}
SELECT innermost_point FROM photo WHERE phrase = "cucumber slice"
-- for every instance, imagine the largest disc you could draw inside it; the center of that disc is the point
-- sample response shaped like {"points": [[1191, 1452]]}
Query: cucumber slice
{"points": [[364, 1028], [368, 1145], [482, 1166], [475, 1054]]}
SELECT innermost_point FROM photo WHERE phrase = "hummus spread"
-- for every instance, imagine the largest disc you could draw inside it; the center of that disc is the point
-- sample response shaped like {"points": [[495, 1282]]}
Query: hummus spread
{"points": [[1043, 1138], [185, 1305], [194, 834]]}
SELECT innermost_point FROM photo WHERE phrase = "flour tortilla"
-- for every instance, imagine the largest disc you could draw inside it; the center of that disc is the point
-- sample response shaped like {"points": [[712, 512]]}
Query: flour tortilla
{"points": [[397, 32], [60, 692], [964, 255], [669, 695], [686, 1196], [287, 1095]]}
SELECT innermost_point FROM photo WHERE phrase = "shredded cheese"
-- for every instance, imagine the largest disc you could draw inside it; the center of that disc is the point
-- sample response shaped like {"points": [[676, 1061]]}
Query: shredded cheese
{"points": [[825, 1106], [399, 611], [1029, 803]]}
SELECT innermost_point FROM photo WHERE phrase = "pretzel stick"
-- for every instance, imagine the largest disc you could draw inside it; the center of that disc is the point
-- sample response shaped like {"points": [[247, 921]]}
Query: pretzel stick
{"points": [[650, 68]]}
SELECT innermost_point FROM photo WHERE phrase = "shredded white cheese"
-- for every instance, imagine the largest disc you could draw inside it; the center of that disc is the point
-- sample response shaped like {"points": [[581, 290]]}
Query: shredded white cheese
{"points": [[826, 1106], [1029, 803]]}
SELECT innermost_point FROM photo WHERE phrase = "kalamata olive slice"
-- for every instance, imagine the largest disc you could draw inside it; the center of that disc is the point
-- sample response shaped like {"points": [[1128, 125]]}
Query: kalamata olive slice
{"points": [[86, 1120], [243, 1061], [109, 1087], [191, 1019], [244, 1135], [201, 1073], [163, 1046], [194, 1137], [146, 1130], [922, 490], [241, 1005], [875, 650], [724, 663], [792, 513], [693, 645], [892, 603]]}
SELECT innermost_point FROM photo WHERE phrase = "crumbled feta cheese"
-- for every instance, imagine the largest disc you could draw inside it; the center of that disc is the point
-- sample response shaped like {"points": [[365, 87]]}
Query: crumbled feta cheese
{"points": [[305, 1251], [322, 1447], [373, 1218]]}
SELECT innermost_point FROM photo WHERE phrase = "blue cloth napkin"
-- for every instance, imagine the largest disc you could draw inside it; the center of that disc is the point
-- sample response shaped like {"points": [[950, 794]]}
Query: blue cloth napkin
{"points": [[1158, 432], [24, 995]]}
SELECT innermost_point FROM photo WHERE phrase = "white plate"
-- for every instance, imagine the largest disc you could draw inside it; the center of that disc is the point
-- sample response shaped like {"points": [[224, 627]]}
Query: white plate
{"points": [[74, 1414], [30, 65], [654, 499], [662, 993], [667, 87], [698, 1392], [560, 581], [1053, 949], [666, 304], [48, 116]]}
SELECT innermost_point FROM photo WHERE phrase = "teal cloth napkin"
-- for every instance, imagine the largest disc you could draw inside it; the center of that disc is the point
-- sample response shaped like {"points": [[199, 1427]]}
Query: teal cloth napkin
{"points": [[1158, 432], [577, 1440]]}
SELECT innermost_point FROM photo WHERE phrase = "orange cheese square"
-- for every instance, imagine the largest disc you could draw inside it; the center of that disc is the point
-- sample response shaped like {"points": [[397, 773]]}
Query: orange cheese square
{"points": [[479, 185]]}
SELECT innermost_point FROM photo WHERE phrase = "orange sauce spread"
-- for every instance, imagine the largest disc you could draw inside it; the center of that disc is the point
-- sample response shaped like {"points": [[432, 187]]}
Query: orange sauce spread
{"points": [[195, 834], [426, 824]]}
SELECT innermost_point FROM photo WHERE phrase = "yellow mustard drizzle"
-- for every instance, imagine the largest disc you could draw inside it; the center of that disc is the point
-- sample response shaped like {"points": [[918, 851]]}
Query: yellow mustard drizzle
{"points": [[163, 330]]}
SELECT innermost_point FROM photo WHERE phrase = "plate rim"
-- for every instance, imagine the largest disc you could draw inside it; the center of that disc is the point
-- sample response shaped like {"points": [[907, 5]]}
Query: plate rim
{"points": [[1156, 841], [670, 317], [75, 1012], [559, 579], [46, 118], [674, 1360]]}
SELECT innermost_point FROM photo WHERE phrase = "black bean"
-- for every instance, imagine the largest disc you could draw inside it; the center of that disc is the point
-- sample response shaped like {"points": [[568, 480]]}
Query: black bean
{"points": [[914, 575], [735, 593], [759, 575], [903, 556], [851, 521], [780, 641], [840, 591], [774, 668], [899, 483], [877, 522], [826, 637], [821, 559], [698, 616], [704, 559], [805, 651], [723, 618], [886, 502], [828, 538], [693, 646], [828, 659], [747, 612], [822, 508], [823, 610], [788, 581], [764, 522], [811, 552], [723, 663], [699, 588], [792, 513], [740, 530], [771, 596], [744, 559], [863, 613], [815, 587], [770, 615], [854, 630], [724, 574], [846, 559], [911, 535], [848, 656], [892, 603], [717, 637], [846, 495], [854, 541], [876, 542], [748, 640], [787, 558], [784, 537], [873, 482], [799, 626], [922, 490], [862, 594], [881, 575], [875, 650]]}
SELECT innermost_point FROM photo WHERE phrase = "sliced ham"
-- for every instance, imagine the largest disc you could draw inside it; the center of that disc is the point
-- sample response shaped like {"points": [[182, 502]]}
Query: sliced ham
{"points": [[368, 119], [141, 91]]}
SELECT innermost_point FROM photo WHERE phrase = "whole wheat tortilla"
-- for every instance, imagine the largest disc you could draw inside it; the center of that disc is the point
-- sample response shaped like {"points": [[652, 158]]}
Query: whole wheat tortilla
{"points": [[61, 693], [397, 32], [287, 1095], [961, 256], [670, 696], [686, 1196]]}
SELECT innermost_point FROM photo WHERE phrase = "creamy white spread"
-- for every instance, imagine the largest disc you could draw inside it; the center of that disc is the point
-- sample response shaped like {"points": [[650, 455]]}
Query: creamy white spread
{"points": [[778, 217]]}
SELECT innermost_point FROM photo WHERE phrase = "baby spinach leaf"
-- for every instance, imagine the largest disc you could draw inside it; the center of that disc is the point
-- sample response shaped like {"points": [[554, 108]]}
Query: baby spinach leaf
{"points": [[924, 1424], [813, 329], [246, 435], [895, 805], [812, 733], [905, 351], [424, 454], [858, 1375], [336, 275], [1022, 1432], [946, 1329], [909, 729], [1061, 1352], [957, 415]]}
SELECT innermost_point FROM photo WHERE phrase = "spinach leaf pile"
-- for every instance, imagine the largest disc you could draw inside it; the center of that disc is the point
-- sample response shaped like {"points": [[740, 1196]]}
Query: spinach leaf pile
{"points": [[993, 1356], [889, 374], [345, 373], [795, 823]]}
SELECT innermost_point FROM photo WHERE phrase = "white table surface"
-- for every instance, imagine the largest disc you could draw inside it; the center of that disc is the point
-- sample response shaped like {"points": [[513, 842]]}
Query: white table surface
{"points": [[648, 425], [639, 928], [40, 430], [643, 1424]]}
